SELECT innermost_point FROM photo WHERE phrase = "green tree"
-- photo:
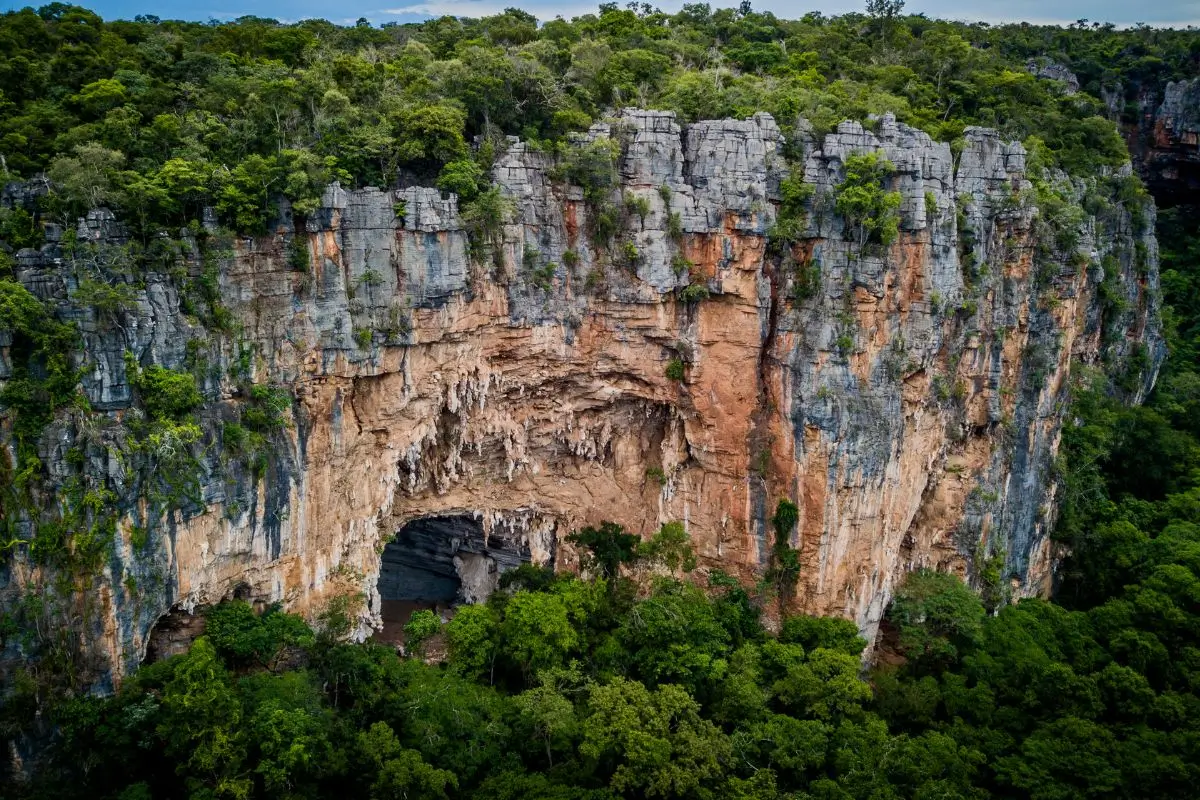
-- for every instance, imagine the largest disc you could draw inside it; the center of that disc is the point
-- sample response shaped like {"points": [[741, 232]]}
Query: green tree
{"points": [[549, 719], [246, 638], [937, 616], [421, 626], [1067, 758], [245, 195], [669, 547], [825, 686], [870, 210], [462, 177], [429, 136], [88, 178], [654, 743], [100, 96], [673, 636], [830, 633], [292, 747], [401, 774], [537, 631], [201, 724], [608, 547], [485, 218], [166, 394], [473, 635]]}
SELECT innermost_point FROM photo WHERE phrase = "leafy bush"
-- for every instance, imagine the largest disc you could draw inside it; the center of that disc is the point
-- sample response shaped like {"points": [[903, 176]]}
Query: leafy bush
{"points": [[246, 638], [590, 165], [675, 226], [166, 394], [463, 177], [669, 547], [806, 281], [298, 255], [629, 255], [938, 617], [486, 216], [267, 408], [694, 293], [638, 206], [421, 626], [871, 211], [606, 549]]}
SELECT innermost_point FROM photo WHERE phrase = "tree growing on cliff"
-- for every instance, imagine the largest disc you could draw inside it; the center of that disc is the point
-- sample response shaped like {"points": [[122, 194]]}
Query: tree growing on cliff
{"points": [[669, 547], [785, 559], [485, 218], [246, 638], [605, 549], [870, 210]]}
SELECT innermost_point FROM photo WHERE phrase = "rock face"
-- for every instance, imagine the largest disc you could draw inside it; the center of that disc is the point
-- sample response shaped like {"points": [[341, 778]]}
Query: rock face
{"points": [[1166, 143], [1049, 70], [909, 398]]}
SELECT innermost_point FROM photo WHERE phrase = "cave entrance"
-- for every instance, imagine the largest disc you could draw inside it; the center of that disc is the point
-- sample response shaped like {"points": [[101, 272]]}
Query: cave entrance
{"points": [[439, 562]]}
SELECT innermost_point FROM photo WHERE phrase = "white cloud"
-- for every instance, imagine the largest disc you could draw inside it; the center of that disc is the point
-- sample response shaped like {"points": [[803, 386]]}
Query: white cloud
{"points": [[1160, 12], [484, 8]]}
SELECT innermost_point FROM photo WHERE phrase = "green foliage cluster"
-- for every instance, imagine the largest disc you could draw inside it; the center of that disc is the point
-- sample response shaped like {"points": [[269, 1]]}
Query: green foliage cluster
{"points": [[485, 218], [785, 559], [675, 370], [44, 380], [806, 280], [245, 639], [792, 215], [694, 293], [606, 548], [863, 199], [423, 625], [264, 411], [165, 438], [167, 395]]}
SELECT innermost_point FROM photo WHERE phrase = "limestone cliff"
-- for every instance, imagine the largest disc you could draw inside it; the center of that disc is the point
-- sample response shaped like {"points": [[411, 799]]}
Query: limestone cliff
{"points": [[1166, 140], [909, 399]]}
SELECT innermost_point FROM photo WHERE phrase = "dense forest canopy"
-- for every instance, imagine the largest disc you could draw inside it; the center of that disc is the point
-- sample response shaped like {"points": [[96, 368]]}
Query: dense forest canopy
{"points": [[561, 687]]}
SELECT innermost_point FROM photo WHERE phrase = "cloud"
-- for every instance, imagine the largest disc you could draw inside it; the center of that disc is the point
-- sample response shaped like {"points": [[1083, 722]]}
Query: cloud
{"points": [[1121, 12], [1050, 12], [484, 8], [1039, 12]]}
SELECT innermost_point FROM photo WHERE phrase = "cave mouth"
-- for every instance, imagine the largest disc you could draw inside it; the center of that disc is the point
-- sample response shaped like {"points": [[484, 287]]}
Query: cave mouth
{"points": [[439, 562]]}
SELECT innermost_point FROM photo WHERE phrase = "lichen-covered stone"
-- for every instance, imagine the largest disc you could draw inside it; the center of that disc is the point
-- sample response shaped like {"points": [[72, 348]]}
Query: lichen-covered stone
{"points": [[1051, 71]]}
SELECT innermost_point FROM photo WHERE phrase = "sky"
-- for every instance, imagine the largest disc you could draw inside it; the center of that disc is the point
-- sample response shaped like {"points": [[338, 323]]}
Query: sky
{"points": [[1176, 13]]}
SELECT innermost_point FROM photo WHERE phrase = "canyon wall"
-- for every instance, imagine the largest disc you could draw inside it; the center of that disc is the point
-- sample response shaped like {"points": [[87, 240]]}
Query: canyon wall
{"points": [[1165, 143], [908, 398], [1160, 123]]}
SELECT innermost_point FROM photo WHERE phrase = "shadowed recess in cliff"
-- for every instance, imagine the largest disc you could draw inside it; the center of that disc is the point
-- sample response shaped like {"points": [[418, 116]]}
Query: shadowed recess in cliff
{"points": [[444, 560]]}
